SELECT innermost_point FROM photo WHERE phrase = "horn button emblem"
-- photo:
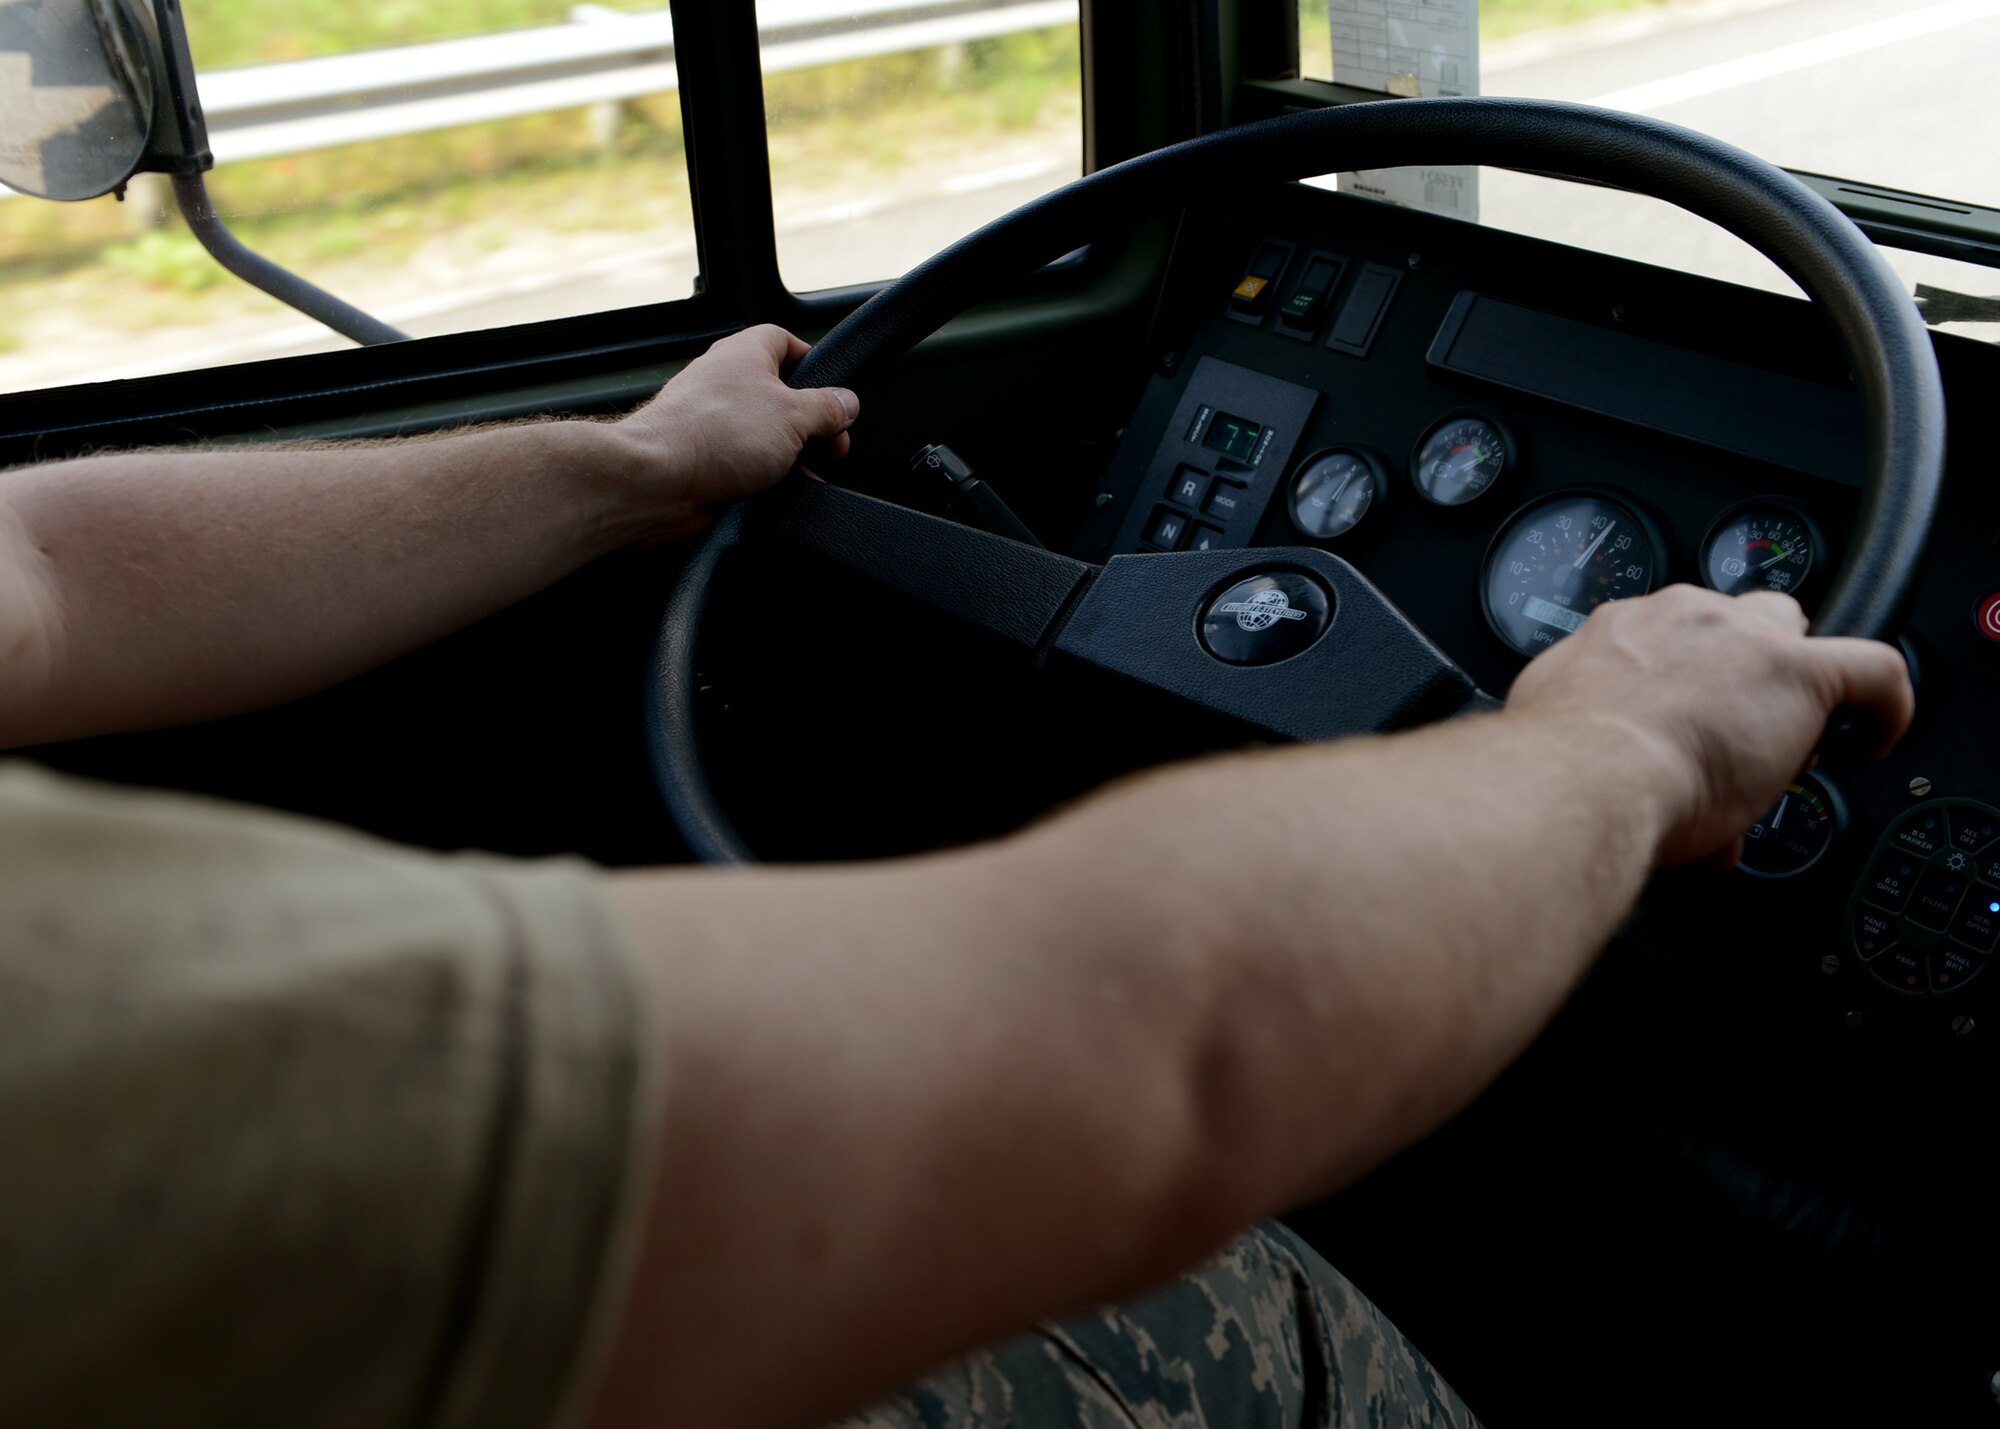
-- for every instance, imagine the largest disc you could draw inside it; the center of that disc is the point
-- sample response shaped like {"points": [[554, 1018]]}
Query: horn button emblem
{"points": [[1265, 618]]}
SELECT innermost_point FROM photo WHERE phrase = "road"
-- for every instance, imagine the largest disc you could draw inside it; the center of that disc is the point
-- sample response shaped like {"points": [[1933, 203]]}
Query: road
{"points": [[1889, 91], [1884, 91]]}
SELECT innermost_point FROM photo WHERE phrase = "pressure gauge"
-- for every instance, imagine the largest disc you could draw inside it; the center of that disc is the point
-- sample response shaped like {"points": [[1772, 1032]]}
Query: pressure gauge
{"points": [[1761, 545]]}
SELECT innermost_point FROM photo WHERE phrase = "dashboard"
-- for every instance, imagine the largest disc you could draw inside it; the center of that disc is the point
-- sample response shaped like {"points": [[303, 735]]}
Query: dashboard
{"points": [[1767, 1104], [1502, 435]]}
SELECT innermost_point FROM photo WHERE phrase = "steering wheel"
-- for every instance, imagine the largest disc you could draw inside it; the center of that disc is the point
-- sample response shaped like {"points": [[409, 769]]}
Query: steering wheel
{"points": [[1342, 660]]}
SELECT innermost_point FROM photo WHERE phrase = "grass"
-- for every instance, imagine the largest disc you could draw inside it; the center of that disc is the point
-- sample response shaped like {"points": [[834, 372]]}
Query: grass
{"points": [[226, 33]]}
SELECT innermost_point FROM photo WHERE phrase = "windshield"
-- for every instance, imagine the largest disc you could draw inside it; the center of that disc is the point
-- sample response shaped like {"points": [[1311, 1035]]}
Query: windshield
{"points": [[1888, 92]]}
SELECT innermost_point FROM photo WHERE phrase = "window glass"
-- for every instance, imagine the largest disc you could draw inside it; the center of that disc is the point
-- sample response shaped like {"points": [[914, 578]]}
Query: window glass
{"points": [[1881, 91], [896, 129], [404, 157]]}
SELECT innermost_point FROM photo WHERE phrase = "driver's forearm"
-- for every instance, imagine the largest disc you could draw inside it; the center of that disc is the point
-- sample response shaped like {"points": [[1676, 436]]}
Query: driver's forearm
{"points": [[913, 1107], [157, 588], [1377, 932]]}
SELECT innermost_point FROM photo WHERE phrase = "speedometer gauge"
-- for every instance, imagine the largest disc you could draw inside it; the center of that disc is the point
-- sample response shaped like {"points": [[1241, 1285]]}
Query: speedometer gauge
{"points": [[1760, 545], [1556, 561]]}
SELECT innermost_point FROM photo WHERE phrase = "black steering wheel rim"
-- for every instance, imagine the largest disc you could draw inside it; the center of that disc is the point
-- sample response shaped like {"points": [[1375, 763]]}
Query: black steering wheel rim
{"points": [[1806, 237]]}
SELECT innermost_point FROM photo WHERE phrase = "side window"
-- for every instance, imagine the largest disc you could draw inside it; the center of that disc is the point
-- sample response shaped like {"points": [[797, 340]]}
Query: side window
{"points": [[896, 129], [445, 165]]}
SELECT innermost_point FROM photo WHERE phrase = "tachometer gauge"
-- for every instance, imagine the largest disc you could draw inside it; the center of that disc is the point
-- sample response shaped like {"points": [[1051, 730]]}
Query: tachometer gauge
{"points": [[1333, 491], [1461, 459], [1556, 561], [1760, 545]]}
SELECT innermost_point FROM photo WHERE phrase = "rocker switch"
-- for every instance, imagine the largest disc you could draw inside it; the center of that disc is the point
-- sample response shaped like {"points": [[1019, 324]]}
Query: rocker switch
{"points": [[1253, 291], [1307, 304]]}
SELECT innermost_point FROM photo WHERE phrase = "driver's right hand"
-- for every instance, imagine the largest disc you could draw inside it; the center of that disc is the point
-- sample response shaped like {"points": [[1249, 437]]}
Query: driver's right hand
{"points": [[1731, 694]]}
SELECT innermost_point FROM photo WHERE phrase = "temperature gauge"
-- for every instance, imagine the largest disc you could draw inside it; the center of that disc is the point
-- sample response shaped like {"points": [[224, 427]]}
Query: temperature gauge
{"points": [[1760, 545], [1792, 836]]}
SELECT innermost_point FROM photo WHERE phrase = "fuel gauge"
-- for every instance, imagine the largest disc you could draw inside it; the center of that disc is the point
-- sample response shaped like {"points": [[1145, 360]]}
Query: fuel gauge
{"points": [[1761, 545], [1798, 829]]}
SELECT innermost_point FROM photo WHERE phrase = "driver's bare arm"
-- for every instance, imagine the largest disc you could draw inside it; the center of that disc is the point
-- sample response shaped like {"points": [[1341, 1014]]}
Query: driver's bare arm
{"points": [[912, 1108], [163, 587]]}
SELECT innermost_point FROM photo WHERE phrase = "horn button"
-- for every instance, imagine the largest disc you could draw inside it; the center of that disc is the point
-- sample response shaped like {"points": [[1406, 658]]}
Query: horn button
{"points": [[1265, 618]]}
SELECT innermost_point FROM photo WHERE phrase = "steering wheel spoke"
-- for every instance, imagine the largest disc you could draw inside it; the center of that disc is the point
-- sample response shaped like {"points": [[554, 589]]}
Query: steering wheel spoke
{"points": [[1012, 590]]}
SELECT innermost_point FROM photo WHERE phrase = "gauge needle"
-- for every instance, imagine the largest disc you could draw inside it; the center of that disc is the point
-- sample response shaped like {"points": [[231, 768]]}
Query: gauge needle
{"points": [[1778, 815], [1782, 554], [1591, 550]]}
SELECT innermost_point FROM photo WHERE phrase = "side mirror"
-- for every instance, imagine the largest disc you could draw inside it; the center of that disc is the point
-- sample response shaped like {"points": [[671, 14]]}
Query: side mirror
{"points": [[77, 96]]}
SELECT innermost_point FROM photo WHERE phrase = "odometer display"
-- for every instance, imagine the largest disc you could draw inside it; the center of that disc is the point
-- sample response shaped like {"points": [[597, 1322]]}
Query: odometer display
{"points": [[1560, 559]]}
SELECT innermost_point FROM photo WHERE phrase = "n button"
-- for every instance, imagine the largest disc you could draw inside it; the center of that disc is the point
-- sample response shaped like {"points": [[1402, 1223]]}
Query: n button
{"points": [[1164, 531]]}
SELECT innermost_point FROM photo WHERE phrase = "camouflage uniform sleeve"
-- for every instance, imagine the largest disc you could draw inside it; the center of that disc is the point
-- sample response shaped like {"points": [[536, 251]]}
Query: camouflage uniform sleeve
{"points": [[1265, 1336]]}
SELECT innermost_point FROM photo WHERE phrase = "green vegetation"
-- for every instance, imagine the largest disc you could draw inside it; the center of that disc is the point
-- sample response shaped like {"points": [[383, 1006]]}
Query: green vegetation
{"points": [[226, 33]]}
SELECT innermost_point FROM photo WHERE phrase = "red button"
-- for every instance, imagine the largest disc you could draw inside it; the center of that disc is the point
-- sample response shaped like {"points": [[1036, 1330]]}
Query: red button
{"points": [[1988, 617]]}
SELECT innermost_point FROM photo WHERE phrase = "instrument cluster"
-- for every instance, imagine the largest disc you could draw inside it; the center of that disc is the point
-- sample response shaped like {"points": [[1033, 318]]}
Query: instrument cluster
{"points": [[1557, 559]]}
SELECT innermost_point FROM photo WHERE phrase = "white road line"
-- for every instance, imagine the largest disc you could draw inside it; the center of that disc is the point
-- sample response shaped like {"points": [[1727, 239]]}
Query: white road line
{"points": [[1787, 59], [1001, 177], [1621, 27], [832, 216]]}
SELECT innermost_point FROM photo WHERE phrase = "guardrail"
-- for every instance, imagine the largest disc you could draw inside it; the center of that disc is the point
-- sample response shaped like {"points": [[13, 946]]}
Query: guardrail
{"points": [[600, 57]]}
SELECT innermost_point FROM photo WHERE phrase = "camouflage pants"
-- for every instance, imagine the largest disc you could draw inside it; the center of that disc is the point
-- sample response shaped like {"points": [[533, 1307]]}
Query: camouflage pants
{"points": [[1265, 1335]]}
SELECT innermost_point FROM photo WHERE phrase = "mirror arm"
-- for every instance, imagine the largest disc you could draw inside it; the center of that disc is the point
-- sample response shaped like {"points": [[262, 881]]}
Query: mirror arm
{"points": [[179, 148], [191, 193]]}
